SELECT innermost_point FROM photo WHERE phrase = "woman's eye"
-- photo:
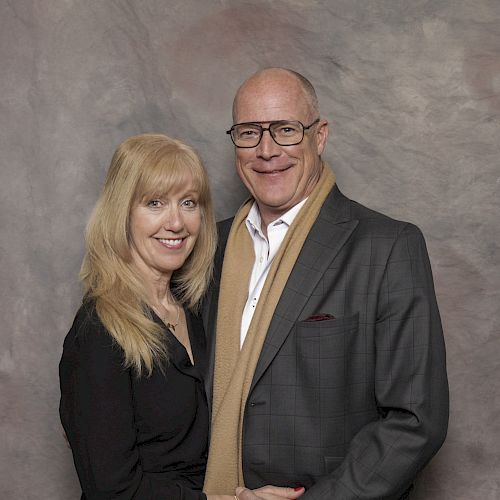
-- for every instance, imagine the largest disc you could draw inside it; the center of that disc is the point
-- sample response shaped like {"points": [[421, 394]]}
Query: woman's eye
{"points": [[189, 203], [154, 203]]}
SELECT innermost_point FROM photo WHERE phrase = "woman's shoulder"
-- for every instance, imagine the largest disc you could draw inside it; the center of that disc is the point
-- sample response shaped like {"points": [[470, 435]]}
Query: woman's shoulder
{"points": [[86, 318], [88, 330]]}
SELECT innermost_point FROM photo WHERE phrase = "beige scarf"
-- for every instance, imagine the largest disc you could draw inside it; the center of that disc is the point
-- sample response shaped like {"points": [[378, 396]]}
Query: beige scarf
{"points": [[234, 369]]}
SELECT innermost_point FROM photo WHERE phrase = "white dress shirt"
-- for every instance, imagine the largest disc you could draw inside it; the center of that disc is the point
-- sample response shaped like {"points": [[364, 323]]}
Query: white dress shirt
{"points": [[265, 249]]}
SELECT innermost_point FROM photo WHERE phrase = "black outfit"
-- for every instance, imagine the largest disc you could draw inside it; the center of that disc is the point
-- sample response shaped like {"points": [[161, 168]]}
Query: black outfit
{"points": [[142, 438]]}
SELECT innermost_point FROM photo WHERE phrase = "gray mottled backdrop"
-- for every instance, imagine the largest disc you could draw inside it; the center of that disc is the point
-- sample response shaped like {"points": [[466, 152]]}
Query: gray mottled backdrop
{"points": [[412, 92]]}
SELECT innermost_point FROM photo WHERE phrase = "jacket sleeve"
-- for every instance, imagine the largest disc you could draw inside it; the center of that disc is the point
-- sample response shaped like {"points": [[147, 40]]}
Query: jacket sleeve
{"points": [[97, 414], [411, 388]]}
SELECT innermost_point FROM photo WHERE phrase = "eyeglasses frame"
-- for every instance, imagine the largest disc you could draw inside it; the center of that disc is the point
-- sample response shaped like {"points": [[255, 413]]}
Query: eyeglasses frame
{"points": [[263, 129]]}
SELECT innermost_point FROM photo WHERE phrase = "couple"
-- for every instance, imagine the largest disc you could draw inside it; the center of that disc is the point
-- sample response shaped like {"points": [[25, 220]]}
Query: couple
{"points": [[313, 352]]}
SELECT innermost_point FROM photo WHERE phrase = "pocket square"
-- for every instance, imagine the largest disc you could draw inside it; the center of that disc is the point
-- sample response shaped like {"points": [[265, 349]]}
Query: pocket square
{"points": [[320, 317]]}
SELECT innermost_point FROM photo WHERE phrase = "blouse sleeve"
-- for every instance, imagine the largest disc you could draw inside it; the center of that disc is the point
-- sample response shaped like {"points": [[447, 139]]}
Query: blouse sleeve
{"points": [[97, 414]]}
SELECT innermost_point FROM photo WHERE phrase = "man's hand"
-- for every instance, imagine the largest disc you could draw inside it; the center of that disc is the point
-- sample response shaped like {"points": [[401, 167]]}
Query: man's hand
{"points": [[269, 493]]}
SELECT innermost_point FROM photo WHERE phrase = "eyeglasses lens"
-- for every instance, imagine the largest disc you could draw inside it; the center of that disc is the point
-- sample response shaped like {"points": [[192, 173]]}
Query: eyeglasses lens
{"points": [[284, 133]]}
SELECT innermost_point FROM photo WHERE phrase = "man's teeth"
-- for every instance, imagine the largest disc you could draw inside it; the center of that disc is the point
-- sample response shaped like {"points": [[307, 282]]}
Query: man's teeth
{"points": [[170, 242]]}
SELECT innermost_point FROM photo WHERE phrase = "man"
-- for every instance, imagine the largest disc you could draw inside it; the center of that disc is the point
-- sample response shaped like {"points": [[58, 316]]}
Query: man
{"points": [[328, 360]]}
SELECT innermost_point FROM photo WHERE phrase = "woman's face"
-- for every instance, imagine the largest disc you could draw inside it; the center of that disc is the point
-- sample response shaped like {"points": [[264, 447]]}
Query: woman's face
{"points": [[164, 230]]}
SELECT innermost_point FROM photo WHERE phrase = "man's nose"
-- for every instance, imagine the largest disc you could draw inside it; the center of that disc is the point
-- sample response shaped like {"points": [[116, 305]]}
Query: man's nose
{"points": [[267, 147]]}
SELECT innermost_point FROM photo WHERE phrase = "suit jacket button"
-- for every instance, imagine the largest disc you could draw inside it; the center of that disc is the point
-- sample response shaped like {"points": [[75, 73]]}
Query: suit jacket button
{"points": [[257, 403]]}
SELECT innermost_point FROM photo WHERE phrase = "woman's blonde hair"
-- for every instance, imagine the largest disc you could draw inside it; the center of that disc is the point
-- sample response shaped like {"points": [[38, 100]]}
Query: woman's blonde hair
{"points": [[143, 166]]}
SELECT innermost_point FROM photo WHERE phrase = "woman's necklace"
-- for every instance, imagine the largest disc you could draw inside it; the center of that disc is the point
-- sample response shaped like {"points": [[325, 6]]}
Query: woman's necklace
{"points": [[163, 317], [172, 326]]}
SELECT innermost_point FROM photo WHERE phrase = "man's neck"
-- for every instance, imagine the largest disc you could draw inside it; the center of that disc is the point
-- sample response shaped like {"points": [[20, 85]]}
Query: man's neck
{"points": [[269, 216]]}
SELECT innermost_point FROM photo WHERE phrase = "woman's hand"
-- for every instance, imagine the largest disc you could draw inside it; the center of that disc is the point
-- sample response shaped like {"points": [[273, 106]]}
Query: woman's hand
{"points": [[269, 493]]}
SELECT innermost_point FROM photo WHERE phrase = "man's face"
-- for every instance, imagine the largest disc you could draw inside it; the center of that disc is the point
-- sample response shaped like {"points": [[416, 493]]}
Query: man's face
{"points": [[278, 177]]}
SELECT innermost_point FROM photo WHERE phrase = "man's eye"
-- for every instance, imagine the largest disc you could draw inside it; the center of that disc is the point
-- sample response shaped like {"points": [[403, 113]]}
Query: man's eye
{"points": [[248, 133], [287, 130]]}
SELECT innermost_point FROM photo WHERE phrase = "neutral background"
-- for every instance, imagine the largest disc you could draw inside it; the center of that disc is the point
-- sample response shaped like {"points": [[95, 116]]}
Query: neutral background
{"points": [[412, 92]]}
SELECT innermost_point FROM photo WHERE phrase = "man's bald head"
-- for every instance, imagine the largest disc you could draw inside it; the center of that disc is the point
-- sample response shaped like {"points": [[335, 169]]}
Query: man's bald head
{"points": [[266, 75], [279, 176]]}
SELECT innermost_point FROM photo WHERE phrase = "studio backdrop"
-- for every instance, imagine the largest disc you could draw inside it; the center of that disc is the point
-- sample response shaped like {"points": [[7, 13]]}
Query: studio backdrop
{"points": [[411, 90]]}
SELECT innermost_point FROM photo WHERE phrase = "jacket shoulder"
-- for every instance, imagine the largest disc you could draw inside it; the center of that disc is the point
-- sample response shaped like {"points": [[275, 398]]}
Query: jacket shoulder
{"points": [[223, 229], [224, 226], [376, 223]]}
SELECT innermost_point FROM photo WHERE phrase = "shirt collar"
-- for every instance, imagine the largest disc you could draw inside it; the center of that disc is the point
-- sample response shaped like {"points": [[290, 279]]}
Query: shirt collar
{"points": [[253, 220]]}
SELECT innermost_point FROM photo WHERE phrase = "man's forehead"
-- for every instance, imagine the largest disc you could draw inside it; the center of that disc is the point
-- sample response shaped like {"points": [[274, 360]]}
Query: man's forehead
{"points": [[274, 83], [260, 103]]}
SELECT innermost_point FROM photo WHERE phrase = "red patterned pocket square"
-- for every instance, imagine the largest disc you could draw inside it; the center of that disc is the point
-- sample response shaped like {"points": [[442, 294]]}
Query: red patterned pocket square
{"points": [[320, 317]]}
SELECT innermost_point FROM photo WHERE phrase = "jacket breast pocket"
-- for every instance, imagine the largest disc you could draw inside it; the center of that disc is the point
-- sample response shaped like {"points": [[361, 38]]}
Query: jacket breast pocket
{"points": [[323, 358], [326, 339]]}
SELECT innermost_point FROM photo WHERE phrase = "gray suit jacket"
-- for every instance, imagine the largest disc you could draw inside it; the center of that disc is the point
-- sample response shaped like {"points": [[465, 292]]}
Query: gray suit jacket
{"points": [[354, 406]]}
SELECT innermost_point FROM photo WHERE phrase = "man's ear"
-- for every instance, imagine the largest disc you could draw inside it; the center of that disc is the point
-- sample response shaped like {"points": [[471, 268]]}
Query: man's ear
{"points": [[321, 135]]}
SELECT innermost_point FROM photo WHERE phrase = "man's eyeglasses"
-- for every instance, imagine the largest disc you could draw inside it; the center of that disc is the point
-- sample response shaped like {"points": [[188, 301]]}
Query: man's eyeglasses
{"points": [[283, 132]]}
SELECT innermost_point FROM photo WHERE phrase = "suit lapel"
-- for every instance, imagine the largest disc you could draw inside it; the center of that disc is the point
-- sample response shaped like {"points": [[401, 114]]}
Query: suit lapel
{"points": [[332, 229], [327, 236]]}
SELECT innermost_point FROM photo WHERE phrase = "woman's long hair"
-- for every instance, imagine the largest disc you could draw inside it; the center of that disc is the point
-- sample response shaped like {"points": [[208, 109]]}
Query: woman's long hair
{"points": [[143, 166]]}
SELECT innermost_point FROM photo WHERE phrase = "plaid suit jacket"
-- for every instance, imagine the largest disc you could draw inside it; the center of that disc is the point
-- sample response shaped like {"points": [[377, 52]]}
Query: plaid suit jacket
{"points": [[354, 406]]}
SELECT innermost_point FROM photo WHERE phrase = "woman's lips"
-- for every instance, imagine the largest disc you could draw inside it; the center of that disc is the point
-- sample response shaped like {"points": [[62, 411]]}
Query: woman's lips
{"points": [[172, 243]]}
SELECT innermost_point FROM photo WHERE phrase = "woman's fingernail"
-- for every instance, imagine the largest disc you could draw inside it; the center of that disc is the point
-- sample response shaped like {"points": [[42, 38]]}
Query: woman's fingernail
{"points": [[297, 488]]}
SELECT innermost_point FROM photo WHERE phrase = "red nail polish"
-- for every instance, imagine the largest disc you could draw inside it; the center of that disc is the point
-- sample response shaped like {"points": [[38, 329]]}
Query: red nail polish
{"points": [[297, 488]]}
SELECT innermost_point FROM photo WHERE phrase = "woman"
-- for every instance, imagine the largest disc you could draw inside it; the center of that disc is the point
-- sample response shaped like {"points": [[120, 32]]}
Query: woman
{"points": [[132, 396]]}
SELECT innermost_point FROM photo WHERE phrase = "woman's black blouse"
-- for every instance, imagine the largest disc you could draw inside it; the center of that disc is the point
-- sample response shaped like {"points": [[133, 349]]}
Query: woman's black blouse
{"points": [[134, 438]]}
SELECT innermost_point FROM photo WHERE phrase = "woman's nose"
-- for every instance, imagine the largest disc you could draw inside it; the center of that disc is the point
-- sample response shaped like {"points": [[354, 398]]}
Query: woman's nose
{"points": [[173, 220]]}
